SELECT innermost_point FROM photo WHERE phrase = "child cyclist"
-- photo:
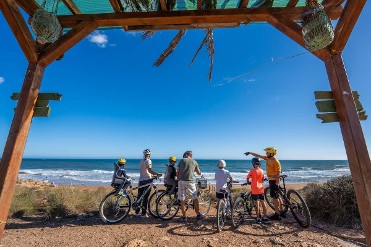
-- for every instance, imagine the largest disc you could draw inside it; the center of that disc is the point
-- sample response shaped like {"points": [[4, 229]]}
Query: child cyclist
{"points": [[120, 176], [222, 177], [257, 189], [170, 173]]}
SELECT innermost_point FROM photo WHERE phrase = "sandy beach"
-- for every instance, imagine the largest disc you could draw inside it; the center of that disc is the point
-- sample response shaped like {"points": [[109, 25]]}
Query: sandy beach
{"points": [[89, 230]]}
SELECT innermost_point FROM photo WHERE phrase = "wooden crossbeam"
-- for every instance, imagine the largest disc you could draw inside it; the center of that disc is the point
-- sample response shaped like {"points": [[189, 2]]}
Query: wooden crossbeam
{"points": [[20, 29], [29, 6], [64, 43], [187, 17], [294, 31], [292, 3], [346, 23], [182, 27], [330, 4], [243, 3], [72, 7], [41, 96], [116, 5]]}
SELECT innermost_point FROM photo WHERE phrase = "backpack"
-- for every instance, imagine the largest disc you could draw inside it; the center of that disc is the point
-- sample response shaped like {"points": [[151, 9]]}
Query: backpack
{"points": [[167, 177], [115, 178]]}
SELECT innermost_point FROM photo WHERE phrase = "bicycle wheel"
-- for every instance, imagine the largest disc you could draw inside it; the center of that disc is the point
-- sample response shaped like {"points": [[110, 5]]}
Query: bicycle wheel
{"points": [[299, 208], [268, 199], [204, 200], [152, 202], [167, 206], [238, 213], [114, 208], [220, 214]]}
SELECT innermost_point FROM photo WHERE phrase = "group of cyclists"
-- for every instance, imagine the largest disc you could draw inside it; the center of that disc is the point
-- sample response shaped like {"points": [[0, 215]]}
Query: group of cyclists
{"points": [[182, 178]]}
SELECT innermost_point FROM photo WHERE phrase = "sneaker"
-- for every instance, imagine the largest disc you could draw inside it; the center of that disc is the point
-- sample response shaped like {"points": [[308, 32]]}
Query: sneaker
{"points": [[183, 219], [144, 216], [138, 214], [283, 214], [265, 220], [200, 217], [258, 220], [275, 217]]}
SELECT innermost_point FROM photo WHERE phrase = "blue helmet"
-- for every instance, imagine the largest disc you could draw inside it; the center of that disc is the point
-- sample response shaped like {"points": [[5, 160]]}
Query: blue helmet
{"points": [[255, 161]]}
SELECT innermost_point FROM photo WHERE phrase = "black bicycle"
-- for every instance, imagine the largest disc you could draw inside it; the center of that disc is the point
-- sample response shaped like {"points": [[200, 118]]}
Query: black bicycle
{"points": [[242, 206], [116, 205], [293, 200]]}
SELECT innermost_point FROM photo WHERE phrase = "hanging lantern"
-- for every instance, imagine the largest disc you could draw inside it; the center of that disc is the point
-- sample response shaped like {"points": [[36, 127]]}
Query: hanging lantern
{"points": [[46, 25], [317, 28]]}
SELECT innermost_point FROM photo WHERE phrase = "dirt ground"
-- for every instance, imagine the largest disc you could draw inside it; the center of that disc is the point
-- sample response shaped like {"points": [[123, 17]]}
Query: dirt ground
{"points": [[89, 230]]}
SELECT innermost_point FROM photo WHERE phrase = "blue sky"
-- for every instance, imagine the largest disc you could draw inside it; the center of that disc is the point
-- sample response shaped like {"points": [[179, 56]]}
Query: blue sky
{"points": [[116, 103]]}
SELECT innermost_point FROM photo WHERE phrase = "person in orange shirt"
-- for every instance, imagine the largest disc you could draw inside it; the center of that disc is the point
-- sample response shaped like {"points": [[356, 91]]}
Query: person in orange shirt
{"points": [[257, 190], [273, 173]]}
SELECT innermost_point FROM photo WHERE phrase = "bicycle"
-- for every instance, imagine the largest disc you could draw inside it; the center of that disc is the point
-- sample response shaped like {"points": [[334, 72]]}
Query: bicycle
{"points": [[243, 205], [168, 205], [116, 205], [225, 208], [293, 200]]}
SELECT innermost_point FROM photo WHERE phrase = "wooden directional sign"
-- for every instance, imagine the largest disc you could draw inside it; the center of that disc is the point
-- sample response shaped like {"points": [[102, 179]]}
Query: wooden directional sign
{"points": [[42, 108], [327, 104]]}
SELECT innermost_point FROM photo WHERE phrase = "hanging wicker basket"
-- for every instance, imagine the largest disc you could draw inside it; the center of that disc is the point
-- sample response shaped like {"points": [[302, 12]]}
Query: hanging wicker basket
{"points": [[46, 26], [317, 28]]}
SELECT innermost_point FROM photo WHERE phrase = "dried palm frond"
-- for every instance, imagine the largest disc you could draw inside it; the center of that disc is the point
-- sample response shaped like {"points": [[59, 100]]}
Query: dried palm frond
{"points": [[147, 34], [198, 50], [137, 5], [209, 4], [170, 4], [210, 49], [170, 48]]}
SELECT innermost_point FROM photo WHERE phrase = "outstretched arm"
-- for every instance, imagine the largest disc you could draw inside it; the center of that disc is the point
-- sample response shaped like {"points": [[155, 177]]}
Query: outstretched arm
{"points": [[254, 154]]}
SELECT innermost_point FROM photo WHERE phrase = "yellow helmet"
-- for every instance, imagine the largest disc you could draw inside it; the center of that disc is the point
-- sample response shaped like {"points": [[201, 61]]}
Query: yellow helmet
{"points": [[121, 161], [272, 150], [172, 159]]}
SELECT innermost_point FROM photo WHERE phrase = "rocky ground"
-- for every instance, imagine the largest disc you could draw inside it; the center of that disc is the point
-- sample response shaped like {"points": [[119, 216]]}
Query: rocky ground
{"points": [[89, 230]]}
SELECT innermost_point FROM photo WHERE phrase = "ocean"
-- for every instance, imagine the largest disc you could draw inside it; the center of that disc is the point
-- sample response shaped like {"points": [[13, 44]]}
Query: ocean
{"points": [[98, 172]]}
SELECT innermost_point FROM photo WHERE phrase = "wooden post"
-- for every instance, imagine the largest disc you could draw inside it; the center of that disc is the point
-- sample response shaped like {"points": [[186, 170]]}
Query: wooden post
{"points": [[355, 144], [17, 138]]}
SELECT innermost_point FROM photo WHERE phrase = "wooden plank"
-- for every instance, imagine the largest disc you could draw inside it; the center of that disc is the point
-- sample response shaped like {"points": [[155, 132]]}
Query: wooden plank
{"points": [[41, 96], [292, 3], [187, 17], [328, 95], [72, 7], [354, 141], [64, 43], [294, 31], [243, 3], [346, 23], [41, 112], [328, 117], [330, 4], [199, 4], [326, 106], [163, 5], [20, 29], [17, 138], [116, 5], [182, 27], [29, 6], [41, 103]]}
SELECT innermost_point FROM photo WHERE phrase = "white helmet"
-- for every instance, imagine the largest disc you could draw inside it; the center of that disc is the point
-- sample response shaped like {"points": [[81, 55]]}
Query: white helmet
{"points": [[221, 164], [147, 152]]}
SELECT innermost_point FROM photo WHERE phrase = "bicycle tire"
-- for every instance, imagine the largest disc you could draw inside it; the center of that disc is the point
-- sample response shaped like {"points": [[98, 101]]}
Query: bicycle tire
{"points": [[238, 213], [166, 209], [269, 201], [114, 208], [299, 208], [204, 201], [220, 214], [152, 201]]}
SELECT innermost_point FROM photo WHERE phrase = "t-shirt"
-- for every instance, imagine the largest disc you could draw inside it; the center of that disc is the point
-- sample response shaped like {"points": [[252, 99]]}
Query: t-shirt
{"points": [[187, 167], [143, 169], [170, 173], [257, 176], [221, 177], [273, 167]]}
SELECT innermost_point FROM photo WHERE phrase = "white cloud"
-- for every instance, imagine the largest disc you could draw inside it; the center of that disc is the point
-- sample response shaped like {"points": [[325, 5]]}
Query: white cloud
{"points": [[98, 38], [2, 80]]}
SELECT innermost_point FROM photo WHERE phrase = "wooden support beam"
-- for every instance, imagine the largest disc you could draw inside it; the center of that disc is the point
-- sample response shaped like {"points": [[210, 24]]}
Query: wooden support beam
{"points": [[294, 31], [199, 4], [41, 96], [116, 5], [17, 138], [187, 17], [20, 29], [67, 41], [292, 3], [243, 3], [346, 23], [163, 5], [355, 144], [182, 27], [29, 6], [330, 4], [72, 7]]}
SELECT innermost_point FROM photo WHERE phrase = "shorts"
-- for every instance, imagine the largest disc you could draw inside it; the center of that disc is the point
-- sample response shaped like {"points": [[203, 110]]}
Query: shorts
{"points": [[183, 187], [273, 187], [221, 195], [257, 197]]}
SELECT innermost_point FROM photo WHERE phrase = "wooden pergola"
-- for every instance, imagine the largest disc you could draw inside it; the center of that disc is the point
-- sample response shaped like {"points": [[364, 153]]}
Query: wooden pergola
{"points": [[284, 18]]}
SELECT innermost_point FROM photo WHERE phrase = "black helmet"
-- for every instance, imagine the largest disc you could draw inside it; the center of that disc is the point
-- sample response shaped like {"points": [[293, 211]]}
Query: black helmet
{"points": [[255, 161]]}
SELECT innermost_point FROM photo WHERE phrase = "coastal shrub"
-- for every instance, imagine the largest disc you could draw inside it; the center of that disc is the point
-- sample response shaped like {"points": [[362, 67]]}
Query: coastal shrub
{"points": [[54, 204], [24, 202], [334, 201]]}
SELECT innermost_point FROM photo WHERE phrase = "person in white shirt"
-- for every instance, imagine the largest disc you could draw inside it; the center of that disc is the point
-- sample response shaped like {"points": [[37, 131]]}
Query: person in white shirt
{"points": [[222, 177]]}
